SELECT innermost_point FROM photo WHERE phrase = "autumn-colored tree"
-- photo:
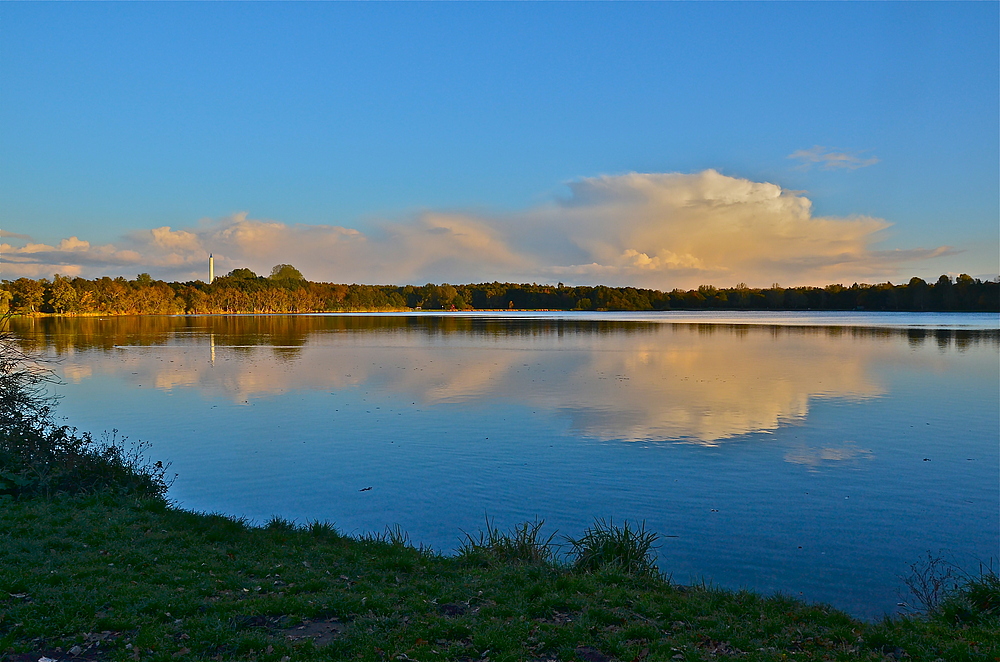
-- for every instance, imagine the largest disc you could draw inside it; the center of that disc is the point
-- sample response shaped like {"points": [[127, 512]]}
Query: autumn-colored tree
{"points": [[27, 295], [62, 297]]}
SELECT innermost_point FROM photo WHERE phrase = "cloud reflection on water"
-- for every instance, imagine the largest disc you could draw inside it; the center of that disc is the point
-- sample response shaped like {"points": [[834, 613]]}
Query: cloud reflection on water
{"points": [[629, 381]]}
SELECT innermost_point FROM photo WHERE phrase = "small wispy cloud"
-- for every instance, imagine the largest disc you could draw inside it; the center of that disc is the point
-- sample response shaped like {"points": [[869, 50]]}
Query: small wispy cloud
{"points": [[829, 159], [13, 235]]}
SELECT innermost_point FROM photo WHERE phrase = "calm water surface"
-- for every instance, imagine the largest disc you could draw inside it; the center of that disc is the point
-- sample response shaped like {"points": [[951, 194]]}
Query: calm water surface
{"points": [[814, 454]]}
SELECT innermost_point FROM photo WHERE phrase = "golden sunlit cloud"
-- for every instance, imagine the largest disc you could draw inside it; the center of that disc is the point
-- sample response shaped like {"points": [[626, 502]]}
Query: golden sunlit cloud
{"points": [[71, 257], [659, 230]]}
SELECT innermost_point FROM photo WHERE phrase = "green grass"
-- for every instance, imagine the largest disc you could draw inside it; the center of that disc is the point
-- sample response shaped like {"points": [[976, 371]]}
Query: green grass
{"points": [[624, 548], [125, 578], [522, 543]]}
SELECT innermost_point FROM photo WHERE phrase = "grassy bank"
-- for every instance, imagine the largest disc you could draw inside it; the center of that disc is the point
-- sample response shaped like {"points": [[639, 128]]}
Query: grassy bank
{"points": [[123, 578]]}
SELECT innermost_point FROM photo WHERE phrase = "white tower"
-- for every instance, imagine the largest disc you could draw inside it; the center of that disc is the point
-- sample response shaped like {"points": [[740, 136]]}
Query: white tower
{"points": [[211, 269]]}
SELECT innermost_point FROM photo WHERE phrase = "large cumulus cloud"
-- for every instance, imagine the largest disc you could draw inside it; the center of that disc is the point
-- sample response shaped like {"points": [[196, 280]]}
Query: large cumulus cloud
{"points": [[660, 230]]}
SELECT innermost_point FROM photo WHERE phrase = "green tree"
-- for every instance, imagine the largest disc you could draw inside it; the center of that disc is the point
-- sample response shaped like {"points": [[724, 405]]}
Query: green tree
{"points": [[246, 274], [28, 295], [63, 296], [286, 272]]}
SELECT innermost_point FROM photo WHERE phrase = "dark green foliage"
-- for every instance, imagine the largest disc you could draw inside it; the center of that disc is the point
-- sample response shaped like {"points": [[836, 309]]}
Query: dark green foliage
{"points": [[287, 291], [286, 272], [38, 456], [242, 274]]}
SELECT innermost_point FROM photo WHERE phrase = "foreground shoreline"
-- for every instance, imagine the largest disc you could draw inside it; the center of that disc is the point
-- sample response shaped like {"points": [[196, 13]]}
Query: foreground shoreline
{"points": [[112, 577]]}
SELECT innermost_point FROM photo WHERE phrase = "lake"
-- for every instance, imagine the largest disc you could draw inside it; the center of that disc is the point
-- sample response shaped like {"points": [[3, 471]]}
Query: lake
{"points": [[817, 454]]}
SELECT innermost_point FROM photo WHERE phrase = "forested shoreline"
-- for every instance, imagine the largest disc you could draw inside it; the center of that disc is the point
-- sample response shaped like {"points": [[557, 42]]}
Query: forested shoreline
{"points": [[286, 291]]}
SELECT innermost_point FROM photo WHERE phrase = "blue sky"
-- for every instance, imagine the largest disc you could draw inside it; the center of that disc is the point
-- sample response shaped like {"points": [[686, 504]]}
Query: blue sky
{"points": [[424, 142]]}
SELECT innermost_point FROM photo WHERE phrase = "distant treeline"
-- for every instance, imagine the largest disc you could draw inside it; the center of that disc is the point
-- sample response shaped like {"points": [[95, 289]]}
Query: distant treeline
{"points": [[285, 291]]}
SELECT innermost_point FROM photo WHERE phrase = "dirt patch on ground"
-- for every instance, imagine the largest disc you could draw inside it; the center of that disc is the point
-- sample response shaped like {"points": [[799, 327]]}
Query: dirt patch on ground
{"points": [[320, 632], [89, 651], [52, 655]]}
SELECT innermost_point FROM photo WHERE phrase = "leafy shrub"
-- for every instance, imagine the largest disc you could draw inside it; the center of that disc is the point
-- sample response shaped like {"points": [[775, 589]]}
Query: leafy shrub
{"points": [[39, 457], [624, 548]]}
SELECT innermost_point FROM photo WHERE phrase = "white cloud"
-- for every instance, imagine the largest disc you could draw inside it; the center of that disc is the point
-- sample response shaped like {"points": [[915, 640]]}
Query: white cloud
{"points": [[661, 230], [831, 160]]}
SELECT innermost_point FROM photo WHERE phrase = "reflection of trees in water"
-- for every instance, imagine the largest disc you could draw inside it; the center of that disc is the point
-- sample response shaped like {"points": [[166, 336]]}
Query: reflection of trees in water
{"points": [[612, 379], [284, 332], [63, 334], [962, 339], [288, 332]]}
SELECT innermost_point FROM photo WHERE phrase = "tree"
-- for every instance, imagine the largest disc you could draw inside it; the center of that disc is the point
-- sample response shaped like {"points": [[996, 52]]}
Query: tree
{"points": [[944, 294], [917, 289], [286, 272], [246, 274], [27, 294], [63, 297]]}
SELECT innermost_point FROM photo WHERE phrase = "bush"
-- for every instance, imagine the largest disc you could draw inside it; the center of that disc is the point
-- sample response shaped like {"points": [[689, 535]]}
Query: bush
{"points": [[975, 600], [39, 457]]}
